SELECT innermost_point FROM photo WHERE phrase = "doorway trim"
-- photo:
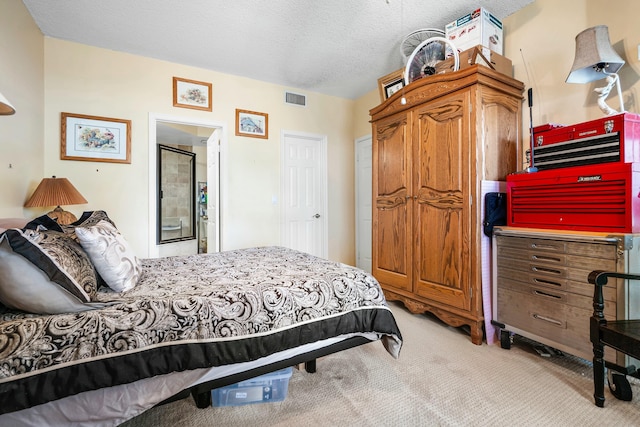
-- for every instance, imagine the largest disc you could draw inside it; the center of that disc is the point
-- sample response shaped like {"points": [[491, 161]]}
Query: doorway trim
{"points": [[218, 127], [322, 141], [363, 234]]}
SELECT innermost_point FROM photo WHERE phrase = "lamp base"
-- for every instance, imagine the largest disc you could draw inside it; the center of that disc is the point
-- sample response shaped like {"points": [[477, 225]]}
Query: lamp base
{"points": [[61, 216], [603, 92]]}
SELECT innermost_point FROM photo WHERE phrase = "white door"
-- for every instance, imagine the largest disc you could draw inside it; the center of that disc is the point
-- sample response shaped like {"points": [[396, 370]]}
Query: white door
{"points": [[304, 192], [363, 202]]}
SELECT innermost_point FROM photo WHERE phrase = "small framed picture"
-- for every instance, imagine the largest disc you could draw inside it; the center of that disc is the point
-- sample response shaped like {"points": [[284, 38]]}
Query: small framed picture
{"points": [[95, 139], [252, 123], [192, 94], [390, 84]]}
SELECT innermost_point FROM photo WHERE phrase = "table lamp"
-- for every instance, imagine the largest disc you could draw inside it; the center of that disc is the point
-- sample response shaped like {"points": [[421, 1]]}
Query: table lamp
{"points": [[55, 192], [6, 109], [595, 59]]}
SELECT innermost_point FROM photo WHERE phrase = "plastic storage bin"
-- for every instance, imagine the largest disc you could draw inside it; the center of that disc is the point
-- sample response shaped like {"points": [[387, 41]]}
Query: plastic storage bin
{"points": [[270, 387]]}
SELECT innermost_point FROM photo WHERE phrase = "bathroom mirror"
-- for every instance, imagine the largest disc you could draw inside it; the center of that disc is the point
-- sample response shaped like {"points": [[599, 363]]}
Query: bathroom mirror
{"points": [[176, 194]]}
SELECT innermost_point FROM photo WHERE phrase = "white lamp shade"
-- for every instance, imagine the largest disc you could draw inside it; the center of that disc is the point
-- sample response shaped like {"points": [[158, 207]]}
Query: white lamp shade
{"points": [[593, 48], [6, 108]]}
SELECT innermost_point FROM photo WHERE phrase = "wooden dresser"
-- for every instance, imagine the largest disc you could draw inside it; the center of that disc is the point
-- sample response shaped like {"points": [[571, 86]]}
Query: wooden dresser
{"points": [[541, 290], [429, 157]]}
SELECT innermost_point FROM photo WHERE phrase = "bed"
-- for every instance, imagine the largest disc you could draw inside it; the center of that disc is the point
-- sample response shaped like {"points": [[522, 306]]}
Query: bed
{"points": [[169, 327]]}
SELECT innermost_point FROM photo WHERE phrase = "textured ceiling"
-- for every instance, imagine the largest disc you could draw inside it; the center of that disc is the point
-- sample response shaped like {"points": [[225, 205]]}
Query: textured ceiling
{"points": [[335, 47]]}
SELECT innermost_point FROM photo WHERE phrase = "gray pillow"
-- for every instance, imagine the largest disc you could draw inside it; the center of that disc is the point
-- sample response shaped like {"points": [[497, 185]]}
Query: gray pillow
{"points": [[60, 257], [26, 287]]}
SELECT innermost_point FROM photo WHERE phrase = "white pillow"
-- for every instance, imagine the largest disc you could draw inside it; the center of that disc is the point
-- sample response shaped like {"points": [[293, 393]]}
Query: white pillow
{"points": [[111, 255]]}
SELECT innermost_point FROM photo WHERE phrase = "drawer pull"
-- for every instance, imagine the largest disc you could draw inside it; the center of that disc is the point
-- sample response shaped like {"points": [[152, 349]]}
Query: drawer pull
{"points": [[546, 282], [544, 258], [547, 319], [546, 247], [544, 294], [545, 270]]}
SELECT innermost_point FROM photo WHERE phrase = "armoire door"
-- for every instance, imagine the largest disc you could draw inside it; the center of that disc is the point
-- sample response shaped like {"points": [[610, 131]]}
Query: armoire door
{"points": [[392, 203], [441, 162]]}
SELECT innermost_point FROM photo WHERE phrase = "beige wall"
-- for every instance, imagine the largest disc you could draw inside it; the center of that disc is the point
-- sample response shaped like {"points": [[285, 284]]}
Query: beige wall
{"points": [[21, 82], [87, 80], [361, 124]]}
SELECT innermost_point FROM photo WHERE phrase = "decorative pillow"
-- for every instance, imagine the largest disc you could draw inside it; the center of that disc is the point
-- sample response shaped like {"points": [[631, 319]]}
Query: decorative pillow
{"points": [[44, 222], [60, 257], [88, 219], [60, 280], [111, 255]]}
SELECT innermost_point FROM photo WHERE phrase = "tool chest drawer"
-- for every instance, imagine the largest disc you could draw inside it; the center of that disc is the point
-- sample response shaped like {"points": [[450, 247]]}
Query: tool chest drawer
{"points": [[540, 287]]}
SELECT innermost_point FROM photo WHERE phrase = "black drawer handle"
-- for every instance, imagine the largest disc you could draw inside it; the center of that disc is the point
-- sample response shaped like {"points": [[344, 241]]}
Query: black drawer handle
{"points": [[544, 294], [547, 319]]}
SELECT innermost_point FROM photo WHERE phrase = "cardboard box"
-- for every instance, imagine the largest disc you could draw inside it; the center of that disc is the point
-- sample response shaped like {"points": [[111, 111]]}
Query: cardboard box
{"points": [[479, 27], [478, 55]]}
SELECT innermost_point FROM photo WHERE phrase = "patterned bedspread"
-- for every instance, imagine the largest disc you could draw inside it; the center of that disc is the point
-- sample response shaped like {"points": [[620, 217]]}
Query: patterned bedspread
{"points": [[189, 312]]}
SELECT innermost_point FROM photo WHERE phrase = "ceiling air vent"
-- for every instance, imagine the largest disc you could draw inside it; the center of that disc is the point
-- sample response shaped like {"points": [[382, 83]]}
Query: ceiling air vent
{"points": [[295, 99]]}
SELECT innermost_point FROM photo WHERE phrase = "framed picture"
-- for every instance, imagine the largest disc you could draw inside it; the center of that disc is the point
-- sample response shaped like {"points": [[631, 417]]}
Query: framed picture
{"points": [[192, 94], [251, 123], [95, 139], [390, 84]]}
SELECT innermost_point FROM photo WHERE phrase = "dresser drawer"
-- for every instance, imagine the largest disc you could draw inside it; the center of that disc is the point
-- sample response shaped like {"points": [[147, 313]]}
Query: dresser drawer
{"points": [[526, 243], [555, 277], [540, 286], [543, 260], [546, 317], [551, 247], [540, 295]]}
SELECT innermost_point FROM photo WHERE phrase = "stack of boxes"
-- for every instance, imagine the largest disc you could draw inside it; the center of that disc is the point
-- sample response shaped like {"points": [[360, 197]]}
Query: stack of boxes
{"points": [[478, 38], [479, 27]]}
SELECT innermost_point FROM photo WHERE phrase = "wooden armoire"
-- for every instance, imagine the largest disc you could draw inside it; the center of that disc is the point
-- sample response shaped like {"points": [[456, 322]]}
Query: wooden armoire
{"points": [[430, 155]]}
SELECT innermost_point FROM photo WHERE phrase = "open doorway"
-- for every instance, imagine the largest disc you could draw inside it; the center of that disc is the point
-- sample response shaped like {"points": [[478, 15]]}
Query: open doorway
{"points": [[205, 140]]}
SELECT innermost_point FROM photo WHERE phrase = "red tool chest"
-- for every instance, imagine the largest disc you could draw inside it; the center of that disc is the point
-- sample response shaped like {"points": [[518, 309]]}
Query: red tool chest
{"points": [[600, 197], [606, 140]]}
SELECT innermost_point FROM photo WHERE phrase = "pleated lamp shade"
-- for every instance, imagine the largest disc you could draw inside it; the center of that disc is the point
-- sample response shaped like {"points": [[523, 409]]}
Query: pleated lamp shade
{"points": [[55, 192]]}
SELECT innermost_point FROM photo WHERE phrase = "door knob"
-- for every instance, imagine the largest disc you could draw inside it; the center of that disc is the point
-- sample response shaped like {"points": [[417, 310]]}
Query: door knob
{"points": [[316, 216]]}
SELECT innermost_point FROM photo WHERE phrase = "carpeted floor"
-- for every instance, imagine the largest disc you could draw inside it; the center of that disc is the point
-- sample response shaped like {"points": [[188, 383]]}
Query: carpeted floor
{"points": [[440, 379]]}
